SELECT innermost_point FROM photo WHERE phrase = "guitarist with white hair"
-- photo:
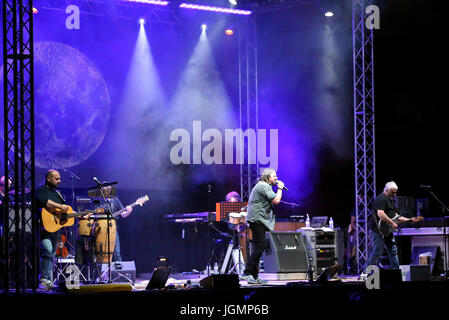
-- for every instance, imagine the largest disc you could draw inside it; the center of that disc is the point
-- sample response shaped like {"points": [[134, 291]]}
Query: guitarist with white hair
{"points": [[383, 221]]}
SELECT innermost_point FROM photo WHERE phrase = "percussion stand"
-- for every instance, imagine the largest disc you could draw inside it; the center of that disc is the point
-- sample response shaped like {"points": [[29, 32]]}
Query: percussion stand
{"points": [[239, 266], [229, 253], [108, 215]]}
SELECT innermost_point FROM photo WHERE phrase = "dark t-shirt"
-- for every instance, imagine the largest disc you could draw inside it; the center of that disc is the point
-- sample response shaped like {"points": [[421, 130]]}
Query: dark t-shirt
{"points": [[43, 194], [382, 202]]}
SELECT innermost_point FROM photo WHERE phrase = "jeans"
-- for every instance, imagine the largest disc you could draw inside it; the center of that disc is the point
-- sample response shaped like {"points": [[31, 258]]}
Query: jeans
{"points": [[259, 245], [378, 245], [49, 242], [116, 255]]}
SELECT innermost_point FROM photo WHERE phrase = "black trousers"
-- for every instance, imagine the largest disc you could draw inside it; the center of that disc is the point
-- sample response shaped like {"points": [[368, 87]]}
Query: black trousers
{"points": [[259, 245]]}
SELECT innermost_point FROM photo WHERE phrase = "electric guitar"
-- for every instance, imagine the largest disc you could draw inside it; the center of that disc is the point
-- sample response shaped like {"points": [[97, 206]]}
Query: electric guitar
{"points": [[385, 229], [139, 202], [55, 219]]}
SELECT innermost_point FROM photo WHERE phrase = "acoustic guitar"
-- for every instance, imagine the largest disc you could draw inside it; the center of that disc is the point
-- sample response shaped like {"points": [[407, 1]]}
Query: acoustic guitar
{"points": [[56, 219], [385, 229]]}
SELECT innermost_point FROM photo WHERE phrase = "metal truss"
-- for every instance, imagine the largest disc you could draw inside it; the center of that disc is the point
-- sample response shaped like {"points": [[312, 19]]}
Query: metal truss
{"points": [[248, 102], [364, 139], [116, 9], [19, 238]]}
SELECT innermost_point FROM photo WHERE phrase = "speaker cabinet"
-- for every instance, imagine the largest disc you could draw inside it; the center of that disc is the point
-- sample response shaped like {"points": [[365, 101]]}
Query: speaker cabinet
{"points": [[285, 253], [220, 281], [121, 271]]}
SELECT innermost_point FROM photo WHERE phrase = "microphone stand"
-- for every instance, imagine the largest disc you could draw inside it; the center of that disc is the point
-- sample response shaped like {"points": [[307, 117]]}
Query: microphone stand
{"points": [[209, 191], [108, 218], [445, 226], [71, 175]]}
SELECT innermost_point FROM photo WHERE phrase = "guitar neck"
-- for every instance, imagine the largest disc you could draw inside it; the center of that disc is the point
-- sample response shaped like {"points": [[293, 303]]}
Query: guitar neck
{"points": [[78, 214], [117, 213]]}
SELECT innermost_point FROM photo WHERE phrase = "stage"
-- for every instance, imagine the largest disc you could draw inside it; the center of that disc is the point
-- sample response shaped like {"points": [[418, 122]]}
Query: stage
{"points": [[269, 301]]}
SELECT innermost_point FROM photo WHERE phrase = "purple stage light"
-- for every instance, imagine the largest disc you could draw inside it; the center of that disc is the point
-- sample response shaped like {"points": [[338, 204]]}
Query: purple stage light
{"points": [[214, 9], [156, 2]]}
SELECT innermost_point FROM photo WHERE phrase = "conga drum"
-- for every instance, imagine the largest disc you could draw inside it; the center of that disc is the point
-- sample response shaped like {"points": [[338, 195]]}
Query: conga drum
{"points": [[85, 227], [235, 218], [103, 253]]}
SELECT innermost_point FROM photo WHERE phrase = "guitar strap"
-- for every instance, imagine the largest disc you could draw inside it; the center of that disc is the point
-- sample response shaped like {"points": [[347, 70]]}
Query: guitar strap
{"points": [[60, 196]]}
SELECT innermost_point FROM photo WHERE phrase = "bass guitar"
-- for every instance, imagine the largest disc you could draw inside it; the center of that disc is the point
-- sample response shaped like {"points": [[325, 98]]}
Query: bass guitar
{"points": [[55, 219], [385, 229]]}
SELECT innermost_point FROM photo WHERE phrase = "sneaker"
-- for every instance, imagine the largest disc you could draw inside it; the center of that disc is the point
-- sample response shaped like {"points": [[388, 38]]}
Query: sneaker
{"points": [[246, 277], [46, 284], [363, 276], [249, 278], [260, 281]]}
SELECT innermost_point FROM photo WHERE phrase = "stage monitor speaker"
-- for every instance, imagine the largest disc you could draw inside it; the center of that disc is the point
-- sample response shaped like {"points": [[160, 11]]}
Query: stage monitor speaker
{"points": [[436, 264], [221, 281], [328, 273], [285, 253], [121, 271], [159, 278]]}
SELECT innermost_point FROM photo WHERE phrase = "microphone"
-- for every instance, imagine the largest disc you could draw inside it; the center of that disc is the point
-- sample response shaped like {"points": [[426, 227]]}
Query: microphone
{"points": [[98, 182], [285, 188], [425, 187]]}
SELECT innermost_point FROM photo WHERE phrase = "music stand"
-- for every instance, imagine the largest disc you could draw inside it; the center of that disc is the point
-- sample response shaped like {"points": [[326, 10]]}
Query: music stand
{"points": [[159, 278], [223, 209]]}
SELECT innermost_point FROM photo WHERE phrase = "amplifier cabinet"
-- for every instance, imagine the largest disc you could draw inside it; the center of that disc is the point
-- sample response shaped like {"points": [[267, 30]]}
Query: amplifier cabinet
{"points": [[320, 248], [285, 253]]}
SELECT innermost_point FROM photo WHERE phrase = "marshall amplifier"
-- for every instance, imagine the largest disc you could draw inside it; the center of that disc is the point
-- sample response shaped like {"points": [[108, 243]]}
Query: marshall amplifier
{"points": [[285, 253]]}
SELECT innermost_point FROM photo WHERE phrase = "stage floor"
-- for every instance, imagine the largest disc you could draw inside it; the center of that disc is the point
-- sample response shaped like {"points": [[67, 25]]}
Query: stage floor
{"points": [[273, 300], [180, 279]]}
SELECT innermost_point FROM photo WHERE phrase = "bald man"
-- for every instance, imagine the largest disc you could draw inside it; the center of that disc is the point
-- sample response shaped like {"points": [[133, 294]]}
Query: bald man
{"points": [[47, 196]]}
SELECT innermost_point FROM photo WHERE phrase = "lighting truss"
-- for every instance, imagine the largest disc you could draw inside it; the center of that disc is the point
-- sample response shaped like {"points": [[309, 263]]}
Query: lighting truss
{"points": [[19, 245], [248, 100], [364, 138], [214, 9]]}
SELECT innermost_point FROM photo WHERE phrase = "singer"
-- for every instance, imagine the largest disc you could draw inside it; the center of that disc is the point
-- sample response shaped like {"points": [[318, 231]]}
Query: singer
{"points": [[261, 219]]}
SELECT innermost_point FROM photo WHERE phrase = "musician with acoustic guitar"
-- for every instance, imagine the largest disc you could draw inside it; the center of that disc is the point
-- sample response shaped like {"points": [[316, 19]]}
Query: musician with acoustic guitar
{"points": [[384, 220], [55, 214]]}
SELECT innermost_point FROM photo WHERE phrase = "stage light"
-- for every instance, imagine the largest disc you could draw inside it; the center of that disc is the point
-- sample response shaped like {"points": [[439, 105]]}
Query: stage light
{"points": [[156, 2], [233, 2], [214, 9], [203, 27], [229, 32], [35, 10], [329, 14], [141, 21]]}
